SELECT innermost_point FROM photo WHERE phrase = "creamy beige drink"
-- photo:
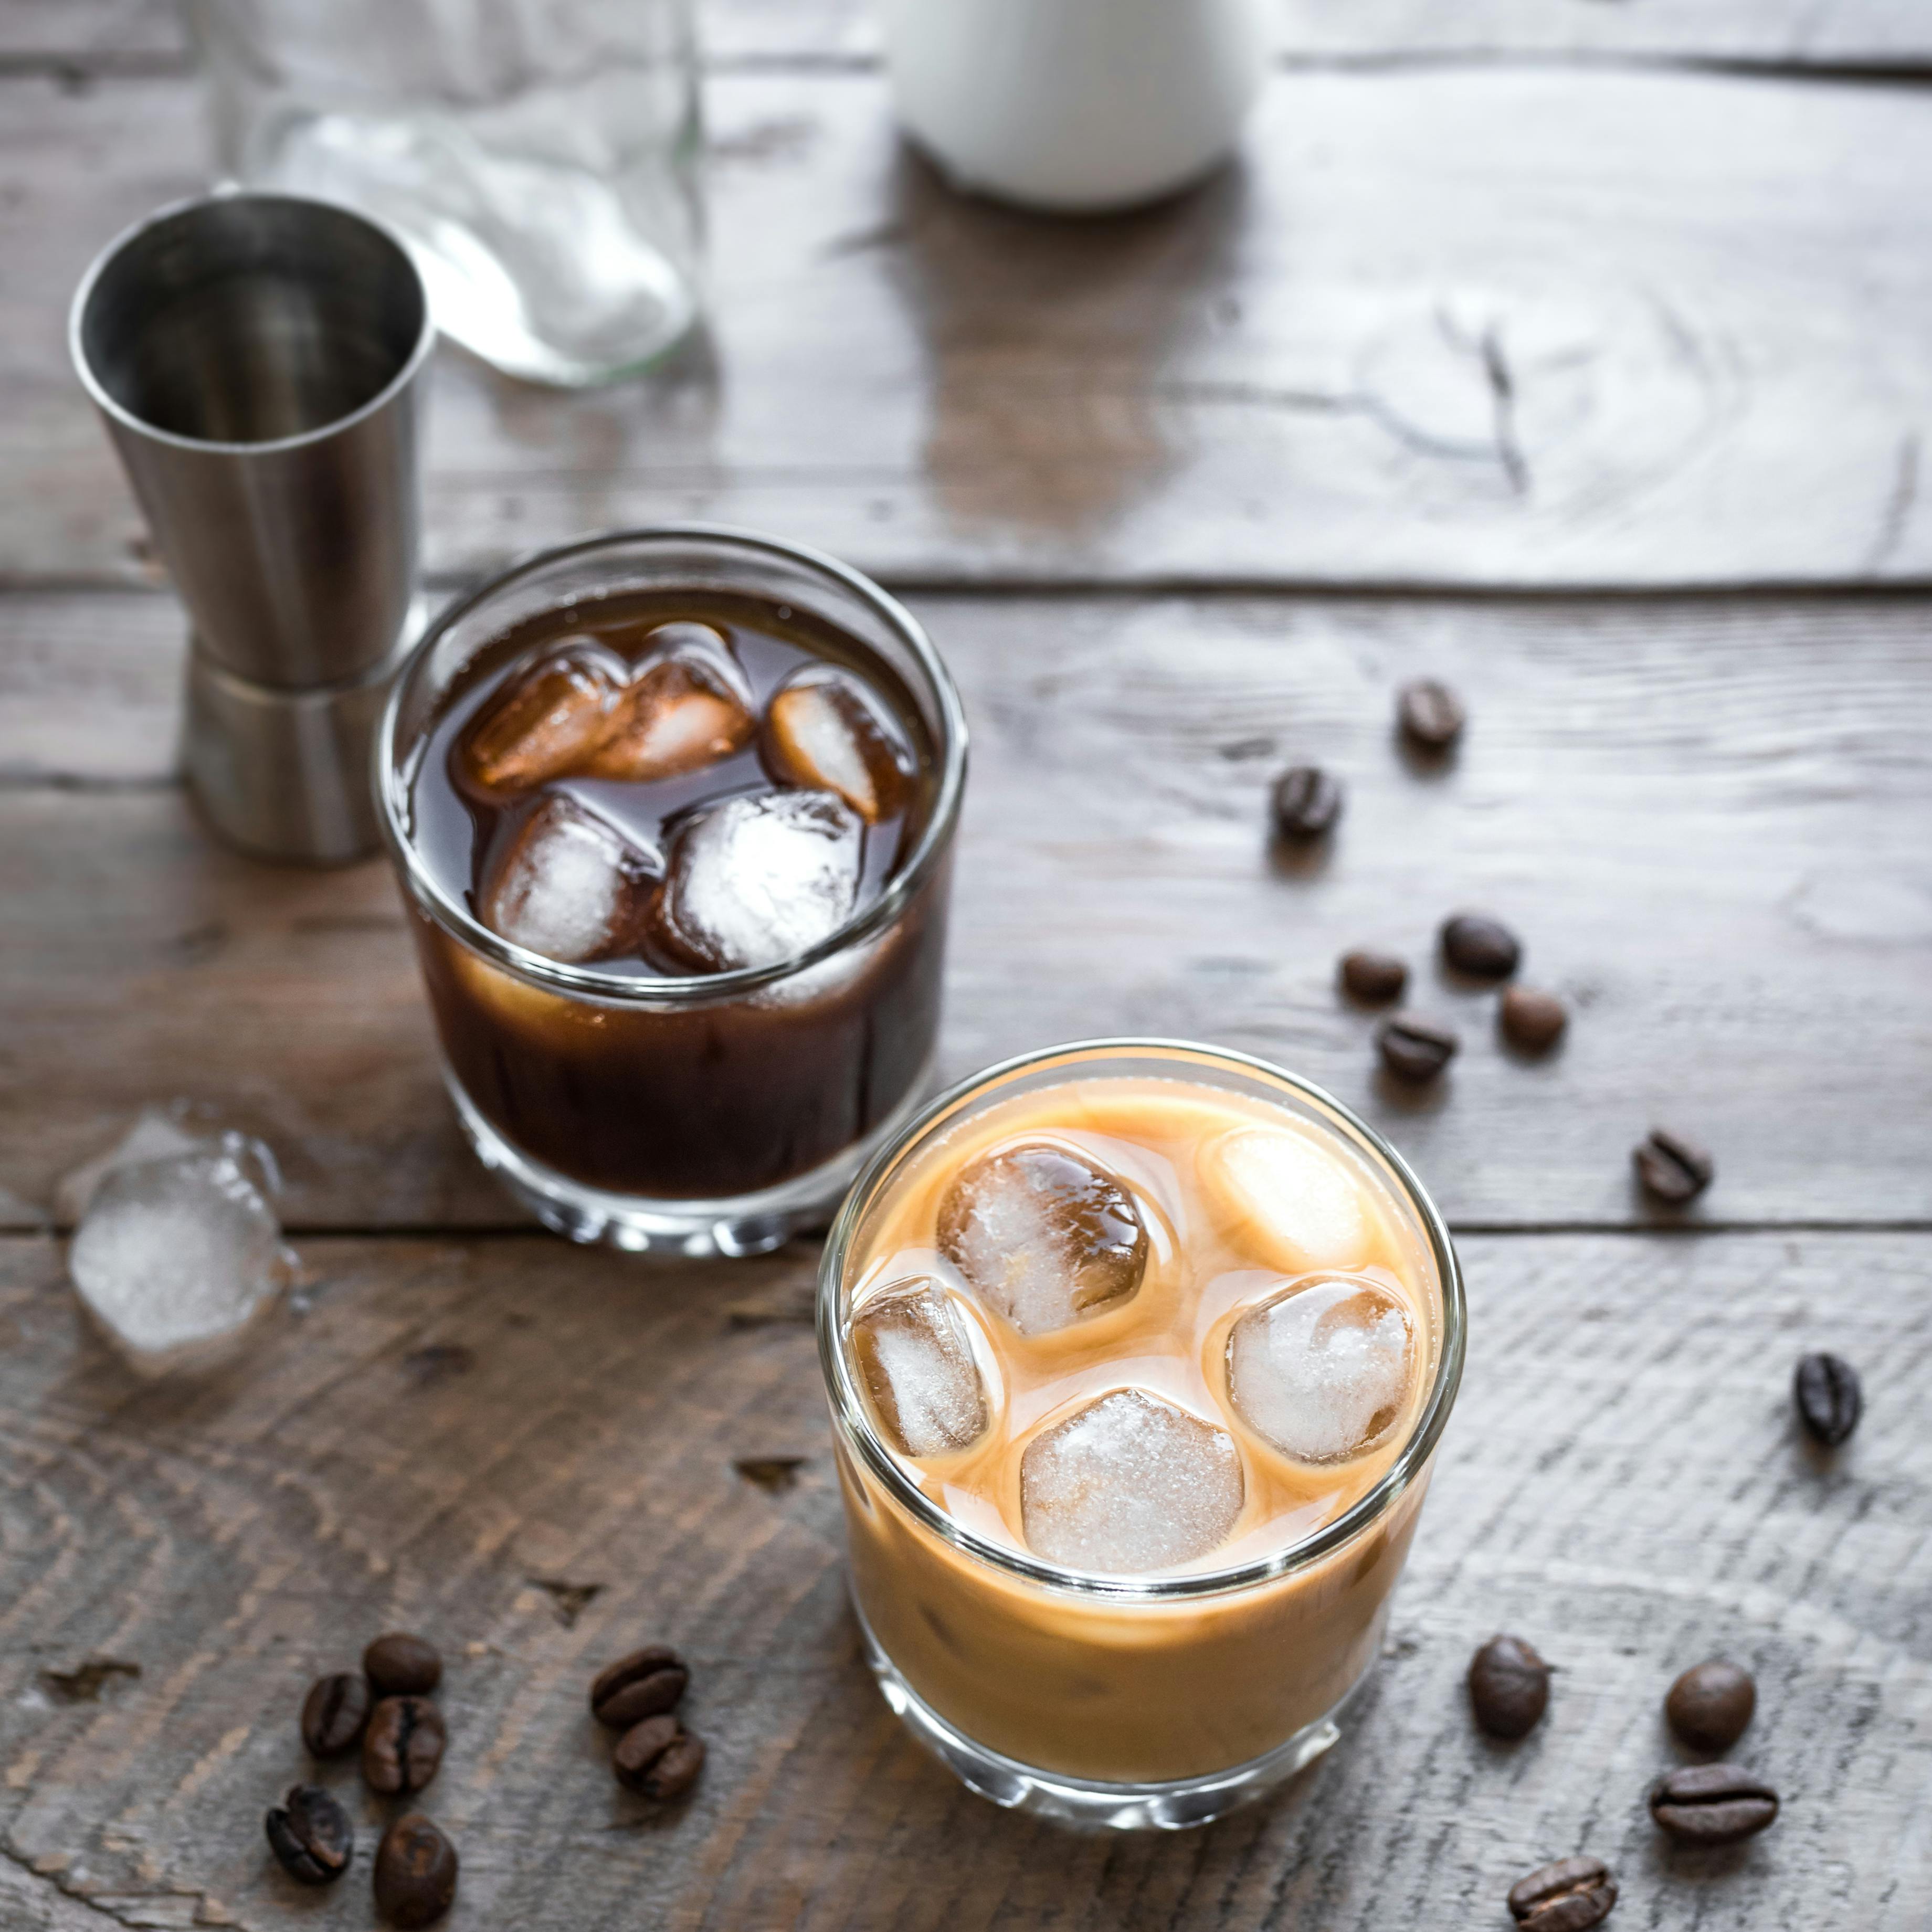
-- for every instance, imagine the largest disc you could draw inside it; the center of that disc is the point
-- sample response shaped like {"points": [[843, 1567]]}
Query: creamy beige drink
{"points": [[1134, 1352]]}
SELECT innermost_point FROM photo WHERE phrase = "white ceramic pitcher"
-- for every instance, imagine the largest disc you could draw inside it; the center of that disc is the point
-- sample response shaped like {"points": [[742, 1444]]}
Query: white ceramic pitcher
{"points": [[1076, 105]]}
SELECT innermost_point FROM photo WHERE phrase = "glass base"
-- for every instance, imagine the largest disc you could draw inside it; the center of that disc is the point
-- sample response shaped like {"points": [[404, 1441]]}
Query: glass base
{"points": [[1176, 1806], [747, 1224], [538, 267]]}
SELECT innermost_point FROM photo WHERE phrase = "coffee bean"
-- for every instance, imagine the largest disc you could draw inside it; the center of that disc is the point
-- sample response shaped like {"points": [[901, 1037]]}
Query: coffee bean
{"points": [[1509, 1687], [1710, 1705], [658, 1758], [1483, 947], [1532, 1021], [1829, 1398], [1429, 712], [402, 1665], [1712, 1804], [1373, 978], [617, 1691], [1569, 1896], [402, 1746], [311, 1835], [1414, 1048], [415, 1872], [334, 1713], [1673, 1168], [1307, 801]]}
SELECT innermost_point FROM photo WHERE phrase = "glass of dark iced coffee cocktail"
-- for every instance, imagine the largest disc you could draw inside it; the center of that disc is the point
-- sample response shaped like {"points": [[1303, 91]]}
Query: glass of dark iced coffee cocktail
{"points": [[1137, 1354], [673, 812]]}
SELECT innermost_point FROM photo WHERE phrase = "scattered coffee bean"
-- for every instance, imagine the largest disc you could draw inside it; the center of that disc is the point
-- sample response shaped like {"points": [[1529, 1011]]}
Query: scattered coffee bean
{"points": [[1430, 713], [1532, 1021], [1671, 1168], [658, 1758], [402, 1665], [643, 1685], [334, 1713], [1829, 1398], [311, 1835], [1509, 1687], [415, 1872], [1307, 801], [1712, 1804], [1373, 978], [1414, 1048], [1569, 1896], [1710, 1705], [1483, 947], [402, 1746]]}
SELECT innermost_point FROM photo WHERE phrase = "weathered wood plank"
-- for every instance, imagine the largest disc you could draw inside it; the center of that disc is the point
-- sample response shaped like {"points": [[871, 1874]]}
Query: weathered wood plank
{"points": [[1795, 33], [1481, 328], [1706, 817], [1799, 33], [89, 32], [1622, 1483]]}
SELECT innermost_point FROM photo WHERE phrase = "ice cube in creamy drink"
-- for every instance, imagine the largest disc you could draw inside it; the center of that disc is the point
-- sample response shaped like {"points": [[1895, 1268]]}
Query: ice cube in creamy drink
{"points": [[1126, 1342]]}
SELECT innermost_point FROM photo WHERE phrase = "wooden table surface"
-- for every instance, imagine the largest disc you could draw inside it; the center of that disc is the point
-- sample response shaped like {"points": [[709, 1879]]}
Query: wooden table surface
{"points": [[1580, 354]]}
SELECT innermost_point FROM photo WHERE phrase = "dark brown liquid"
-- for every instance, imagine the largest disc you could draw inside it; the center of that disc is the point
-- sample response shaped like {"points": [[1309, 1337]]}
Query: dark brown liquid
{"points": [[709, 1100]]}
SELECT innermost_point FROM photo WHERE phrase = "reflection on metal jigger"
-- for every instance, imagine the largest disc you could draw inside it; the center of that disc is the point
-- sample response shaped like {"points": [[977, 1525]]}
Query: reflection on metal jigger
{"points": [[256, 359]]}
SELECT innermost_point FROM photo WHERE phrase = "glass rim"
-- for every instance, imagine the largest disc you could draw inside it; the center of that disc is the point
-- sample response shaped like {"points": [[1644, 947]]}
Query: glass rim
{"points": [[850, 1417], [631, 989], [111, 406]]}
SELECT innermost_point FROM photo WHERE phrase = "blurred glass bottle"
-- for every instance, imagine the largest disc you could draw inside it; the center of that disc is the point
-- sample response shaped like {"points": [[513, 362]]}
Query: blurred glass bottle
{"points": [[541, 157]]}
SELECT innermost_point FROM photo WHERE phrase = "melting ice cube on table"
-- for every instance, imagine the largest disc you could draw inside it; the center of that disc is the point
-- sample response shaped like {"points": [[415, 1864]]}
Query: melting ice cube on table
{"points": [[824, 730], [547, 722], [758, 878], [1291, 1203], [1043, 1236], [570, 886], [1128, 1485], [916, 1363], [1323, 1371], [176, 1258], [686, 707]]}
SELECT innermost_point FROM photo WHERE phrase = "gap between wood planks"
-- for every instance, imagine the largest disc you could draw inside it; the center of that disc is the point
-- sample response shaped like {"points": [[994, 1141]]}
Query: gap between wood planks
{"points": [[80, 70]]}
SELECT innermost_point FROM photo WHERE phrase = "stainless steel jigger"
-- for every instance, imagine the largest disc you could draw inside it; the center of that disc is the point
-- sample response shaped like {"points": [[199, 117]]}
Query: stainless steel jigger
{"points": [[255, 358]]}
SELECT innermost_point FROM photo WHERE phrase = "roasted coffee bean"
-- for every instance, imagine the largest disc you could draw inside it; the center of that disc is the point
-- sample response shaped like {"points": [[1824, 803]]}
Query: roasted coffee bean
{"points": [[311, 1835], [1829, 1398], [1307, 801], [402, 1746], [1373, 978], [658, 1758], [1429, 712], [334, 1713], [1532, 1021], [1414, 1048], [640, 1685], [1673, 1168], [1483, 947], [1710, 1705], [1712, 1804], [1569, 1896], [415, 1872], [1509, 1687], [402, 1665]]}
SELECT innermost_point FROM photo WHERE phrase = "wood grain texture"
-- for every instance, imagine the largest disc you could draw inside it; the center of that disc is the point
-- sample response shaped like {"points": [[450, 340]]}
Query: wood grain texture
{"points": [[1706, 819], [1790, 33], [455, 1435], [1799, 33], [1465, 328]]}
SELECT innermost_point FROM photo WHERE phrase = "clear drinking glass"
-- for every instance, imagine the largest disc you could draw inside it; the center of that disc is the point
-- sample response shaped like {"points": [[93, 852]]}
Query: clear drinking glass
{"points": [[1111, 1700], [540, 157], [712, 1114]]}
